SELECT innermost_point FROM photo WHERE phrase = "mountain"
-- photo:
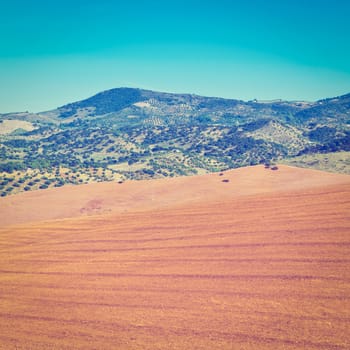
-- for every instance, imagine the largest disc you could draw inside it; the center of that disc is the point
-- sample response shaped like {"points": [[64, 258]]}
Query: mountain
{"points": [[105, 102], [336, 108], [170, 105], [128, 133]]}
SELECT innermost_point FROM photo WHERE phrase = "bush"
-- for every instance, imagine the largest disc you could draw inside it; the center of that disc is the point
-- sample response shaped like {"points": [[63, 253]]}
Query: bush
{"points": [[10, 167]]}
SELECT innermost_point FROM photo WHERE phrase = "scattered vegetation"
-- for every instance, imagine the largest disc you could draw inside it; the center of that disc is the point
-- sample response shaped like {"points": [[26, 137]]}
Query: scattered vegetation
{"points": [[136, 134], [337, 162]]}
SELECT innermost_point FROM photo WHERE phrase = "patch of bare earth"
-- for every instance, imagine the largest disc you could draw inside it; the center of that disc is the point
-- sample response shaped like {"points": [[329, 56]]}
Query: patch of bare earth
{"points": [[258, 262]]}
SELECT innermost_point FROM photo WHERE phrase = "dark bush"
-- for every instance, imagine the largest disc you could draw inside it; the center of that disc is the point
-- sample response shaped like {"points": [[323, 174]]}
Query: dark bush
{"points": [[10, 167]]}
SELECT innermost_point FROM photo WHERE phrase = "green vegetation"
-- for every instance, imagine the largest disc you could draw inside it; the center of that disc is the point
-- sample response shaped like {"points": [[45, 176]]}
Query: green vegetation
{"points": [[136, 134], [337, 162]]}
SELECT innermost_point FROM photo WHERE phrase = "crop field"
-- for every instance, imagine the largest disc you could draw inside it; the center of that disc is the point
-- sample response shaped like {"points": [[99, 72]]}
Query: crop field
{"points": [[256, 271]]}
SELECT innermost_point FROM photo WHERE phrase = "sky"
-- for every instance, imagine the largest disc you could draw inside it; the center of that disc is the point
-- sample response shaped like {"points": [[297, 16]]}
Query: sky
{"points": [[56, 52]]}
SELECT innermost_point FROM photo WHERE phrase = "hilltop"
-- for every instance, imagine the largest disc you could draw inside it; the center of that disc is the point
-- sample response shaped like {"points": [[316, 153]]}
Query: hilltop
{"points": [[128, 133]]}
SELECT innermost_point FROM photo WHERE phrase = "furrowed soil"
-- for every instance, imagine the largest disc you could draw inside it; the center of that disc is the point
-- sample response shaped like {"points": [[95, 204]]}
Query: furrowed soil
{"points": [[259, 262]]}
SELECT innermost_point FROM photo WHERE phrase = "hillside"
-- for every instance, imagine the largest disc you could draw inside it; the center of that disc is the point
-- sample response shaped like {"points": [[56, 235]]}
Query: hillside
{"points": [[259, 262], [128, 133], [111, 197], [336, 162]]}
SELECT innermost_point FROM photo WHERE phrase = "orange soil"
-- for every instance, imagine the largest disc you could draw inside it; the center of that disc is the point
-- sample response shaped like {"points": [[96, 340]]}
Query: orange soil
{"points": [[103, 198], [260, 262]]}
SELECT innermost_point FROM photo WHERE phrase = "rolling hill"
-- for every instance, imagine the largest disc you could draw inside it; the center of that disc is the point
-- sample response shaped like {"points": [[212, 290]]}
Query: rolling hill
{"points": [[112, 197], [250, 258]]}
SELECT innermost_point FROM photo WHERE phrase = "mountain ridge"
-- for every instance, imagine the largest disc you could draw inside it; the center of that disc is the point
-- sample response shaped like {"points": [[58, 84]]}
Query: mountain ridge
{"points": [[151, 93]]}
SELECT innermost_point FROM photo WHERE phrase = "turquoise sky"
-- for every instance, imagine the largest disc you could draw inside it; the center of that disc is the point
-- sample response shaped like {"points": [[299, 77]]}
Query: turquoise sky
{"points": [[55, 52]]}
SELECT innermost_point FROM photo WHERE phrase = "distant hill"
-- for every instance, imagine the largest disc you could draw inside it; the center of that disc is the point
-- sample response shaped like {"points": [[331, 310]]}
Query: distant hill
{"points": [[128, 133], [116, 100], [102, 103]]}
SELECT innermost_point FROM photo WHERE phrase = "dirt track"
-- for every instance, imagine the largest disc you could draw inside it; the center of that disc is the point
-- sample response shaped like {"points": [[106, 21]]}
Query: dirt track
{"points": [[244, 269]]}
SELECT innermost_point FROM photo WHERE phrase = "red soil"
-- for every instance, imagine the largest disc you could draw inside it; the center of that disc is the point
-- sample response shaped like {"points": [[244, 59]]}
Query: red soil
{"points": [[259, 262]]}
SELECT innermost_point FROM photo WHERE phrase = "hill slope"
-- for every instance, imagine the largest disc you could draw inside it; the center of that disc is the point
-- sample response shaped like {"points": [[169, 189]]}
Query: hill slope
{"points": [[260, 262], [103, 198], [128, 133]]}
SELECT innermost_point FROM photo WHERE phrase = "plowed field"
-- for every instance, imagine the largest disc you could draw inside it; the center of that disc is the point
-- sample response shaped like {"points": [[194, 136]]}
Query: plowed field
{"points": [[259, 262]]}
